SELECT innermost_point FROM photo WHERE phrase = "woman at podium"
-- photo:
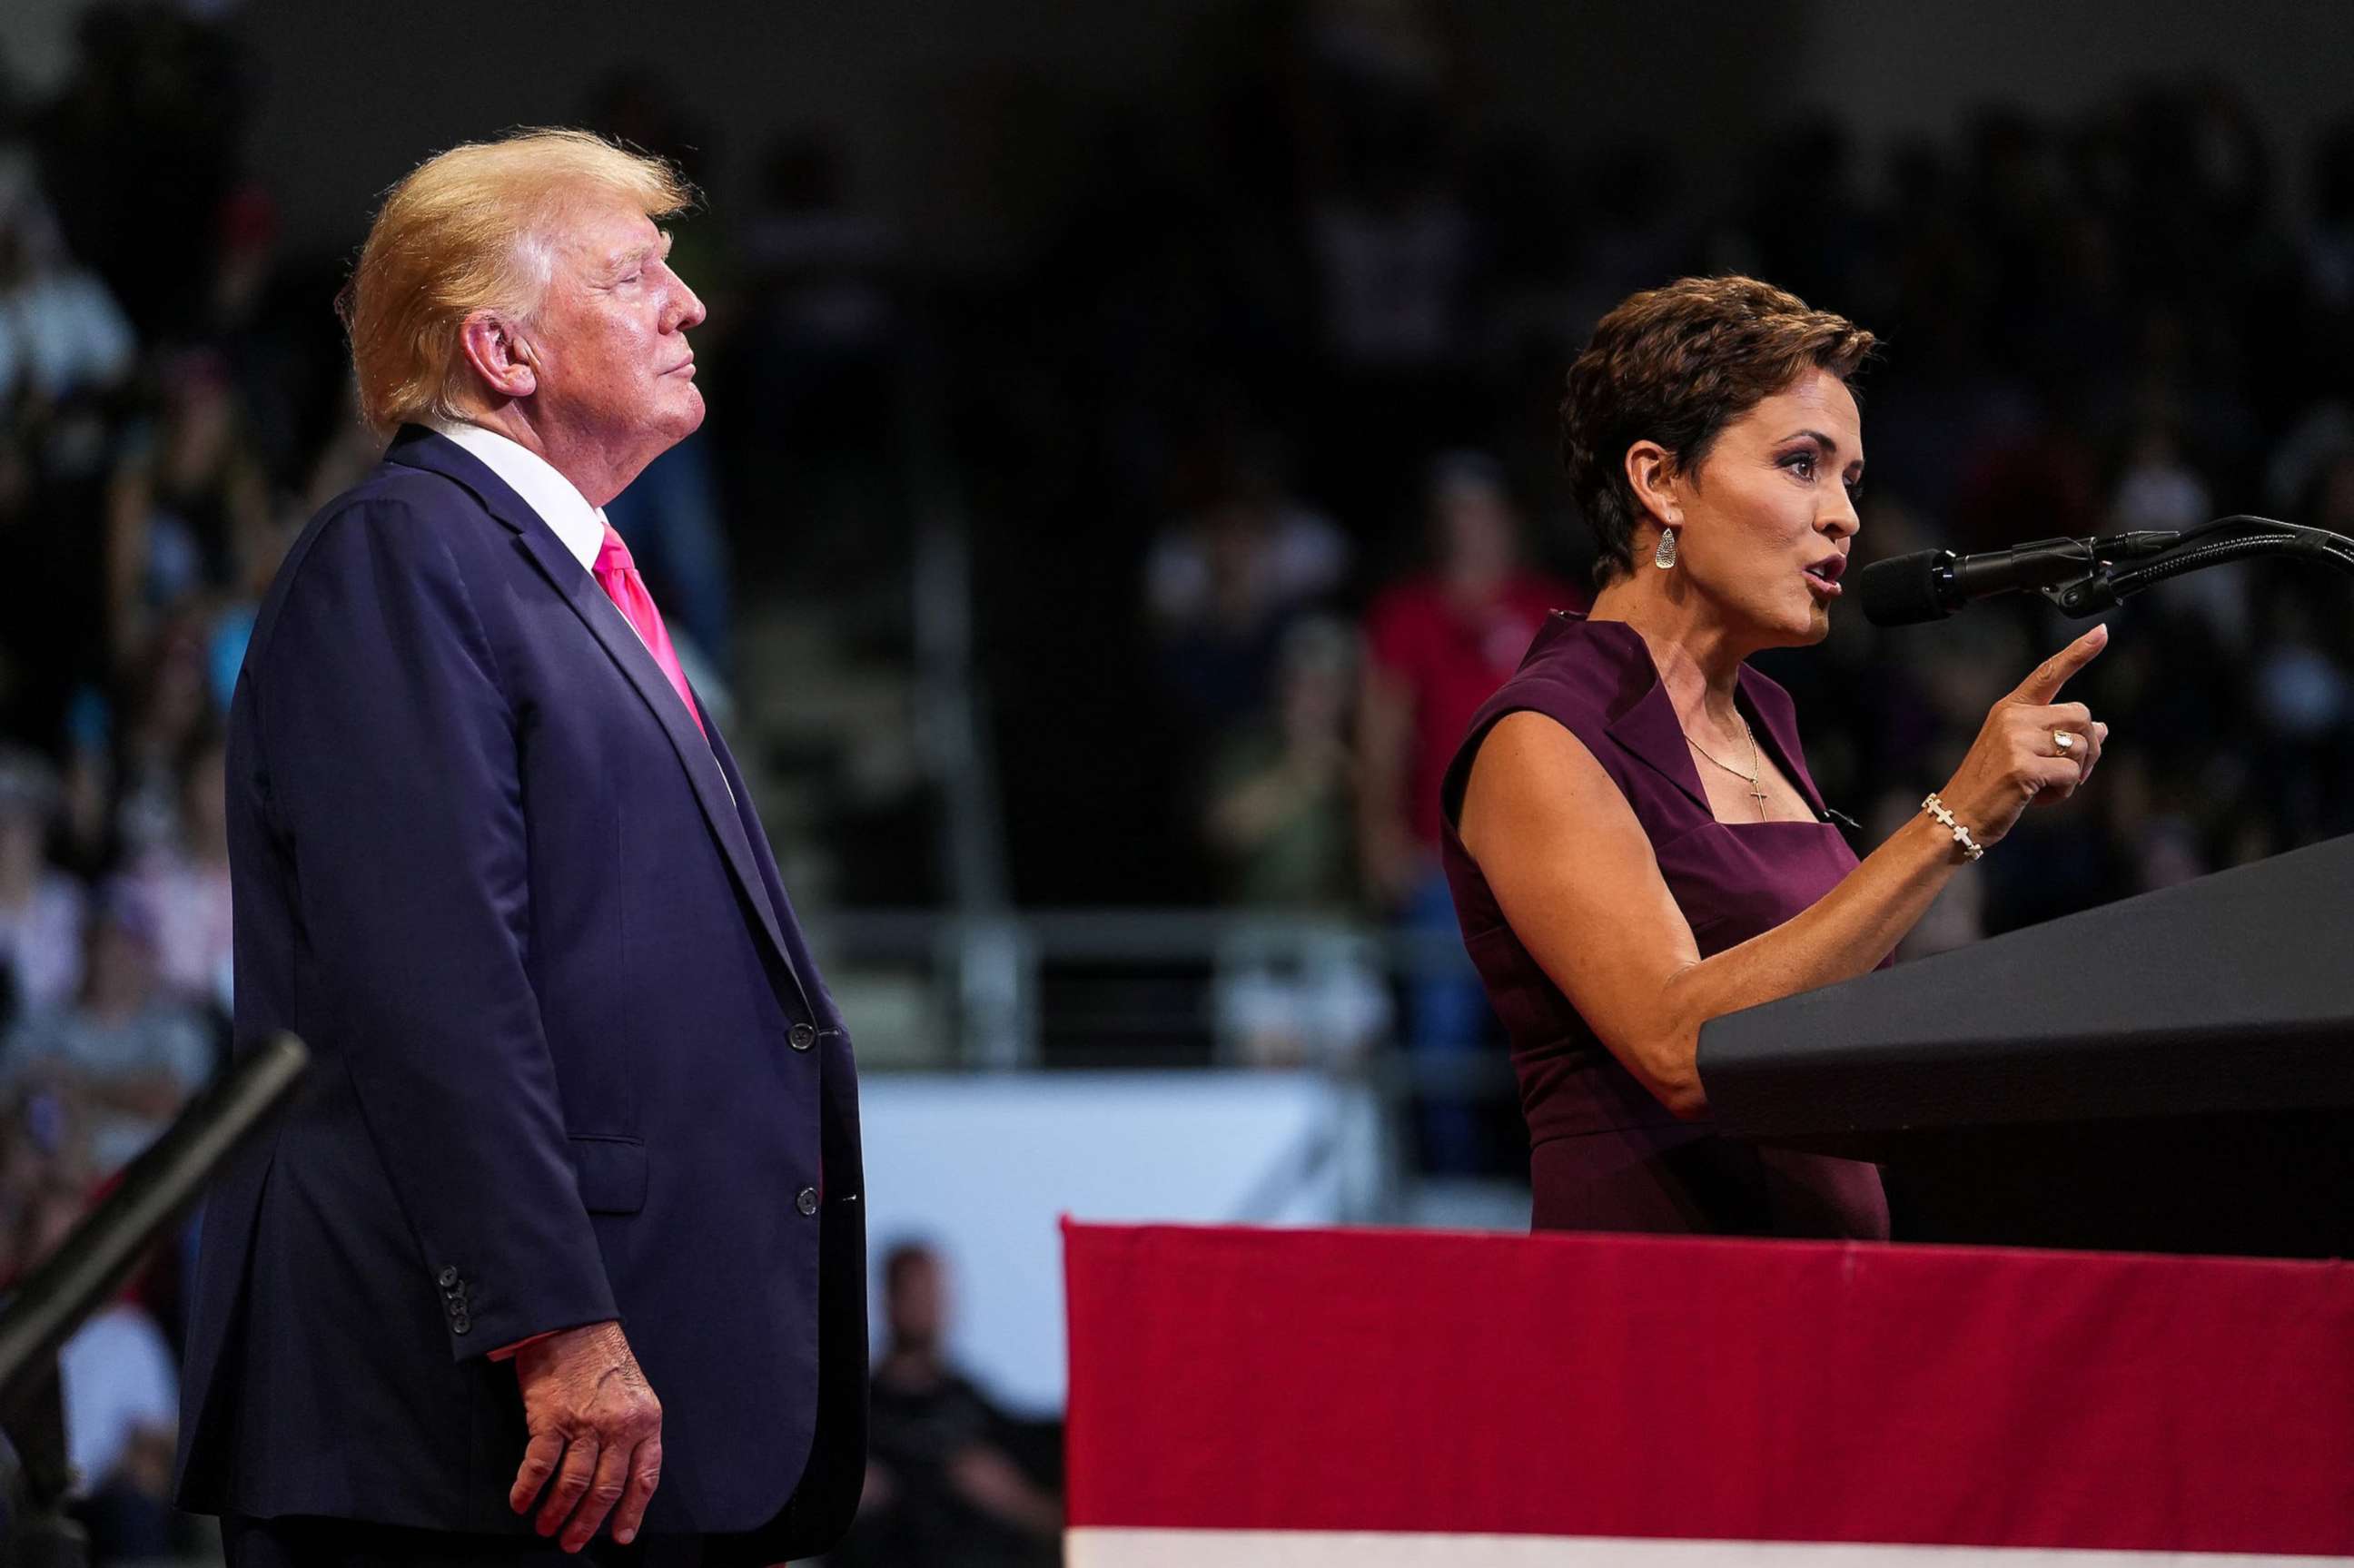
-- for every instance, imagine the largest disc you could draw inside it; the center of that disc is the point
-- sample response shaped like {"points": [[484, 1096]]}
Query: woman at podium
{"points": [[1633, 841]]}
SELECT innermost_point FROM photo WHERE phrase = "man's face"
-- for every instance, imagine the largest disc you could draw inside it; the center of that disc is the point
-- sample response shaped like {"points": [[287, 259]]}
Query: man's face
{"points": [[609, 341], [915, 1306]]}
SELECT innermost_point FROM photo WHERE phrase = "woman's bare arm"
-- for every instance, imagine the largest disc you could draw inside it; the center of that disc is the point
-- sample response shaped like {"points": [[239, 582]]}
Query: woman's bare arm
{"points": [[1574, 872]]}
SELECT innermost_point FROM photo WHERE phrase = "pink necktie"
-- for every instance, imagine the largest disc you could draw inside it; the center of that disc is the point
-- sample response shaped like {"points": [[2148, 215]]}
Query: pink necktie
{"points": [[618, 576]]}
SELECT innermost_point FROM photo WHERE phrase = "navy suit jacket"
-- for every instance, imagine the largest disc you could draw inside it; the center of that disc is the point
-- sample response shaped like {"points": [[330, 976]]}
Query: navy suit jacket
{"points": [[572, 1058]]}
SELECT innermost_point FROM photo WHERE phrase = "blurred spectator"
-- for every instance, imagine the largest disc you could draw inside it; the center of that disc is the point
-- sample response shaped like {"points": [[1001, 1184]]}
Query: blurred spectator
{"points": [[2159, 490], [182, 882], [943, 1487], [122, 1415], [61, 334], [123, 1050], [189, 510], [2297, 468], [90, 807], [120, 1385], [1440, 641], [138, 153], [2304, 701], [1281, 820], [1396, 264], [1281, 817], [171, 706], [1223, 585], [41, 907]]}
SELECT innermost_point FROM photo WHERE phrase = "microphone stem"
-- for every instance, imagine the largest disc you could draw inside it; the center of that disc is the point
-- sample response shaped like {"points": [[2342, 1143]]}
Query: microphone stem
{"points": [[2105, 586]]}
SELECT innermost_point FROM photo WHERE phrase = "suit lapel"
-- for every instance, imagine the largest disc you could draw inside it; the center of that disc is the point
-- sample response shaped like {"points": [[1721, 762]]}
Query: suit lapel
{"points": [[773, 902], [621, 643], [422, 449]]}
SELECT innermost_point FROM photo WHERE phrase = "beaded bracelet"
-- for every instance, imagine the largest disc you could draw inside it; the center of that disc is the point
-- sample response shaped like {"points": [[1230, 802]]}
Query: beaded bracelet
{"points": [[1971, 849]]}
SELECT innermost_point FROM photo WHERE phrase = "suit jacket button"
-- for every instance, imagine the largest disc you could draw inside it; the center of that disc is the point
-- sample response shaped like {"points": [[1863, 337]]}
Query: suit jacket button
{"points": [[448, 1277], [460, 1323], [807, 1201], [803, 1036]]}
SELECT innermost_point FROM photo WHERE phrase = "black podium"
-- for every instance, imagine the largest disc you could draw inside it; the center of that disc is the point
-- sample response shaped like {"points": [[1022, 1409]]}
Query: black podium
{"points": [[2172, 1073]]}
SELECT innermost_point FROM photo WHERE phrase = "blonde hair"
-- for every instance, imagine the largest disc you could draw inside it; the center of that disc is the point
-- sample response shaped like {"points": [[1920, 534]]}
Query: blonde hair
{"points": [[467, 230]]}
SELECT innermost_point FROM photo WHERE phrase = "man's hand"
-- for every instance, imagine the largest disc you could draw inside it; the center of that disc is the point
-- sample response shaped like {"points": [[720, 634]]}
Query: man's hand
{"points": [[995, 1485], [588, 1410]]}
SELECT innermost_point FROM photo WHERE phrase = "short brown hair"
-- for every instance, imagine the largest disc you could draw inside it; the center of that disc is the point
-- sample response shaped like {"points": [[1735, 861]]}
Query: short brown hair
{"points": [[1676, 364], [469, 229]]}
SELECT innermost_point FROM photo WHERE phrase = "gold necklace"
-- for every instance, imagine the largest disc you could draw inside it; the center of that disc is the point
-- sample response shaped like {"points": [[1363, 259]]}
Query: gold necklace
{"points": [[1756, 769]]}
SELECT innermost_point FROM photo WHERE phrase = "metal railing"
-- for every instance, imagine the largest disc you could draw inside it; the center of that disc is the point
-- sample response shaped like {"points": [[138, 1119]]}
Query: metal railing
{"points": [[1008, 985], [156, 1190]]}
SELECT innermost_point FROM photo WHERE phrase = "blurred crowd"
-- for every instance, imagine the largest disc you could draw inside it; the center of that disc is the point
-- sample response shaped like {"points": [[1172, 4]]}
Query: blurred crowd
{"points": [[1291, 366], [1320, 381], [1256, 446]]}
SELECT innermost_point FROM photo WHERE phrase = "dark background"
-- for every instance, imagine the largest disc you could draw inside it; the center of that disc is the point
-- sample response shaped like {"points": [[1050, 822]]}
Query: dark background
{"points": [[1021, 313]]}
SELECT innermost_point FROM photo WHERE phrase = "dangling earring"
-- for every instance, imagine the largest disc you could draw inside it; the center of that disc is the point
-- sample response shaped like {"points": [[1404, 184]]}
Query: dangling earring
{"points": [[1664, 557]]}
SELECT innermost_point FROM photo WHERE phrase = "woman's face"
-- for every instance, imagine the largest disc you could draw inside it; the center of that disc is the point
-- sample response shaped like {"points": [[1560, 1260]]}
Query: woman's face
{"points": [[1769, 513]]}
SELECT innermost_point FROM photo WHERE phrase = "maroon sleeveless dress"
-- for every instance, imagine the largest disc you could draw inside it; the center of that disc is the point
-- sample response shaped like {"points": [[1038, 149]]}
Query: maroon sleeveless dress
{"points": [[1605, 1154]]}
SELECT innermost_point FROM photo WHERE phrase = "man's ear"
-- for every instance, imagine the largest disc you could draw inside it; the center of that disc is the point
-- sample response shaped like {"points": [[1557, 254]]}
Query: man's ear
{"points": [[1658, 482], [499, 356]]}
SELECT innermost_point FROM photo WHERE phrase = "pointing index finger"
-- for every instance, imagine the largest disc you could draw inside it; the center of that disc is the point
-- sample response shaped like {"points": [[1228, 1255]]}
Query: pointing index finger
{"points": [[2044, 682]]}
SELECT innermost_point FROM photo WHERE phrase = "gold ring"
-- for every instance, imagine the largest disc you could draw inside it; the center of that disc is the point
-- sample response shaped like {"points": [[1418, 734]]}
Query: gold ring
{"points": [[2064, 739]]}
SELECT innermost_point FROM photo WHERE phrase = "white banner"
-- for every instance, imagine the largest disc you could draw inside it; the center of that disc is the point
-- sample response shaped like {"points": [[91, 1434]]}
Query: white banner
{"points": [[1101, 1547]]}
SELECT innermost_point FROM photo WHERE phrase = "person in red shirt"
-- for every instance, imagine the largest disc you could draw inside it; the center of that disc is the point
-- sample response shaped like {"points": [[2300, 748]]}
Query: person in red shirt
{"points": [[1438, 643]]}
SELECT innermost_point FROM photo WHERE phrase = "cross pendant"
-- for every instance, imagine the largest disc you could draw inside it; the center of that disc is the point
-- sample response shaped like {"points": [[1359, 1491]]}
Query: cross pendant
{"points": [[1757, 793]]}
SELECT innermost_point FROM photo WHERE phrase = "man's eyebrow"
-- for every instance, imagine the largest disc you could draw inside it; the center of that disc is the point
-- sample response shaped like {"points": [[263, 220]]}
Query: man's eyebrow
{"points": [[621, 261]]}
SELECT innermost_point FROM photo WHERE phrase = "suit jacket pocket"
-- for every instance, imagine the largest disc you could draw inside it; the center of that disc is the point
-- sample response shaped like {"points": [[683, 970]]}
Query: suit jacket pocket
{"points": [[611, 1172]]}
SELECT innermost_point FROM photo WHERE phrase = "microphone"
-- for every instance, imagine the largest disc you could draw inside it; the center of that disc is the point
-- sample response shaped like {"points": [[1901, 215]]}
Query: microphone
{"points": [[1930, 585]]}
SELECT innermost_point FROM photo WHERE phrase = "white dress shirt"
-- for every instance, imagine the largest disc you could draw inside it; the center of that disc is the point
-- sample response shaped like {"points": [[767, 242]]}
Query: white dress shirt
{"points": [[547, 492]]}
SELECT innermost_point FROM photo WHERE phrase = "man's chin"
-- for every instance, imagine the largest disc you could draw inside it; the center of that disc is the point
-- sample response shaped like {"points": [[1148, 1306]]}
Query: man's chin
{"points": [[686, 413]]}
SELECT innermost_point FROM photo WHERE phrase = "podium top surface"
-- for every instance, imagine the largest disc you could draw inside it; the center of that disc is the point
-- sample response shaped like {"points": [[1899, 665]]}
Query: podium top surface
{"points": [[2232, 993]]}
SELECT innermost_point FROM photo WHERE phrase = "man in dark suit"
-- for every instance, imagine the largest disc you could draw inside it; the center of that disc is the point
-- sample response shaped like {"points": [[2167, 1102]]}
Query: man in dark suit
{"points": [[563, 1231]]}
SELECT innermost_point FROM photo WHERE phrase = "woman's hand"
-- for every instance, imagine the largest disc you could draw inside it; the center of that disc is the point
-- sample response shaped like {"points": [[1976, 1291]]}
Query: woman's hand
{"points": [[2019, 757]]}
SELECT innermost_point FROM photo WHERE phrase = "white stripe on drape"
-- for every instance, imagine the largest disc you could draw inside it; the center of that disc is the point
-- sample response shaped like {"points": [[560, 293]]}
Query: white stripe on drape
{"points": [[1106, 1548]]}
